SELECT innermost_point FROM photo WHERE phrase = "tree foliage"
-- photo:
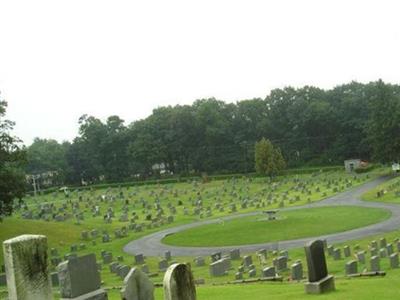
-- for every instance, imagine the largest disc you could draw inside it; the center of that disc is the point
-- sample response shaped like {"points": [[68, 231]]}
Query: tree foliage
{"points": [[268, 159], [309, 125], [12, 159]]}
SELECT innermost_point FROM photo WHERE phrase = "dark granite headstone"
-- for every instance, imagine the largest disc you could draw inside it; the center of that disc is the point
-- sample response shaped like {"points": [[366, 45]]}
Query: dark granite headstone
{"points": [[316, 262], [318, 279]]}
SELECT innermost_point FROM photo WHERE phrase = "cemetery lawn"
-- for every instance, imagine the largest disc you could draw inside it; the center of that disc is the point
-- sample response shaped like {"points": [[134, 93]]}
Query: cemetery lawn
{"points": [[391, 192], [291, 225]]}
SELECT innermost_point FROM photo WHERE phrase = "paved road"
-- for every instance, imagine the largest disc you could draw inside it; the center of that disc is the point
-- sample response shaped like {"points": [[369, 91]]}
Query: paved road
{"points": [[151, 245]]}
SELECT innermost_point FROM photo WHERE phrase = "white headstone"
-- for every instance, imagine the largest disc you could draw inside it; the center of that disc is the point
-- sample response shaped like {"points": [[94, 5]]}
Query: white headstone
{"points": [[179, 283], [137, 286], [27, 272]]}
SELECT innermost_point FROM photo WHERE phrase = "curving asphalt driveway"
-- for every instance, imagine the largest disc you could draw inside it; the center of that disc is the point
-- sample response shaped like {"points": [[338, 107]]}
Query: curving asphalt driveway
{"points": [[151, 245]]}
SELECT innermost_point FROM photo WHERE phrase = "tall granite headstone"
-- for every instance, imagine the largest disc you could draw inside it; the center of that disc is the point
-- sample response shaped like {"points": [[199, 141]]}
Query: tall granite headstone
{"points": [[318, 279]]}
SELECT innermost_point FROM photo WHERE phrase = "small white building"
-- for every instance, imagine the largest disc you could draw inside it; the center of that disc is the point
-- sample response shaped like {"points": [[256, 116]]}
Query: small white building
{"points": [[351, 164], [396, 167]]}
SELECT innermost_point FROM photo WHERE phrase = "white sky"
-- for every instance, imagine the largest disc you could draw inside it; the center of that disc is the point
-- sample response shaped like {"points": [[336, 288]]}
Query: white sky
{"points": [[61, 59]]}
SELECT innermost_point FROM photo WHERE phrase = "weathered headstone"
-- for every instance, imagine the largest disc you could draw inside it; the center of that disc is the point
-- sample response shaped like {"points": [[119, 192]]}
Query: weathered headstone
{"points": [[27, 272], [346, 251], [139, 259], [382, 253], [199, 261], [280, 263], [218, 268], [163, 265], [123, 271], [247, 260], [389, 249], [351, 267], [137, 286], [361, 257], [252, 273], [178, 283], [318, 279], [79, 277], [234, 254], [269, 272], [375, 264], [336, 254], [216, 256], [382, 242], [296, 271], [394, 260]]}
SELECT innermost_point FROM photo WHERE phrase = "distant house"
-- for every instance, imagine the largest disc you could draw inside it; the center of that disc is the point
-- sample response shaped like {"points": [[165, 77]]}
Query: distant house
{"points": [[396, 167], [351, 164]]}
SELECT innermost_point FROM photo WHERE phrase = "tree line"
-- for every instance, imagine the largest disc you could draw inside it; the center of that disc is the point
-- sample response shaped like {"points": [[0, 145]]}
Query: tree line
{"points": [[310, 126]]}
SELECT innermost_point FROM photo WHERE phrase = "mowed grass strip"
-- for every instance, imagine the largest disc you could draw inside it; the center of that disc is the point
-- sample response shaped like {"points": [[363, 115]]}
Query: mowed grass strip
{"points": [[291, 225]]}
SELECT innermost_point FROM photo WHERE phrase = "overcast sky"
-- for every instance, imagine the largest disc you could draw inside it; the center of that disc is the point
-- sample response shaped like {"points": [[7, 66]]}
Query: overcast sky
{"points": [[62, 59]]}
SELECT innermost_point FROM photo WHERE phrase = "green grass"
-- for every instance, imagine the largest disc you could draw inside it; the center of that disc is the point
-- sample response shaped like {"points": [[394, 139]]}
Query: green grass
{"points": [[391, 192], [62, 235], [291, 225]]}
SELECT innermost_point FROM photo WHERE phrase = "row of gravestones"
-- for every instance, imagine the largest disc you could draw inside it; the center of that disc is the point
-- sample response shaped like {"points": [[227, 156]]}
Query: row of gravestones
{"points": [[28, 277], [50, 208]]}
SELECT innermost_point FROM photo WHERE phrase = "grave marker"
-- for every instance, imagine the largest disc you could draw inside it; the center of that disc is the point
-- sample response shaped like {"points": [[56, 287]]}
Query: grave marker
{"points": [[318, 279], [27, 273]]}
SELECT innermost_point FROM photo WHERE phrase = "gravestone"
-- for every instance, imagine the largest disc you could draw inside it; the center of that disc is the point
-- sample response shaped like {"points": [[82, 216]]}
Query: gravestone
{"points": [[178, 283], [123, 271], [336, 254], [218, 268], [252, 273], [199, 261], [79, 278], [351, 267], [374, 251], [382, 253], [346, 251], [216, 256], [27, 272], [145, 269], [394, 260], [247, 260], [107, 258], [382, 242], [296, 271], [389, 249], [163, 265], [167, 255], [137, 286], [375, 264], [113, 267], [361, 257], [318, 279], [263, 252], [139, 259], [269, 272], [234, 254], [280, 263]]}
